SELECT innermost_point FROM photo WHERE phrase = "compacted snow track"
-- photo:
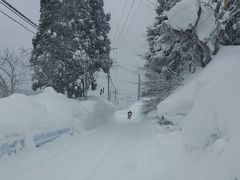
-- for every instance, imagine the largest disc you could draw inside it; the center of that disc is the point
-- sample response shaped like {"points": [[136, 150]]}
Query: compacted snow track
{"points": [[117, 150]]}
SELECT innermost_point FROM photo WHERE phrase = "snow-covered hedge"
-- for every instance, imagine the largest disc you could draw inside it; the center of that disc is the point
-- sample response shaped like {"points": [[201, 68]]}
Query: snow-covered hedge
{"points": [[47, 116]]}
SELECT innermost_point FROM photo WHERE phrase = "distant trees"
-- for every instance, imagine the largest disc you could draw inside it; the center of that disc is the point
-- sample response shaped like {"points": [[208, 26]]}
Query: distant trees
{"points": [[12, 72], [70, 40]]}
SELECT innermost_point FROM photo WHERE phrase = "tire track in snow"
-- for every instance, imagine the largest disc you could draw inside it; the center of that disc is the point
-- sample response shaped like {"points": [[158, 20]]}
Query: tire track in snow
{"points": [[103, 157]]}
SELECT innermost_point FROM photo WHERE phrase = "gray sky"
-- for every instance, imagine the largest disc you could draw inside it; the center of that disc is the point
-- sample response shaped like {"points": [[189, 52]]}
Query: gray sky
{"points": [[14, 37]]}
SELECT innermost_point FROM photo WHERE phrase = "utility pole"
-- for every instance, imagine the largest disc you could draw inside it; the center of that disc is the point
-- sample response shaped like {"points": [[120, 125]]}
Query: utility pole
{"points": [[85, 80], [109, 93], [139, 83], [115, 96], [109, 76]]}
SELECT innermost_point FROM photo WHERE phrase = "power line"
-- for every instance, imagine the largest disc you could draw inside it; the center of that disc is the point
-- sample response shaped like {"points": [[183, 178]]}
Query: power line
{"points": [[113, 84], [18, 13], [126, 20], [132, 21], [120, 20], [26, 28], [127, 94], [129, 82], [126, 69], [130, 72]]}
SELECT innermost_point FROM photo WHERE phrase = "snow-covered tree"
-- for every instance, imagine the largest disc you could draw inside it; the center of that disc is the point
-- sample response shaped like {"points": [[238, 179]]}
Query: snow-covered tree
{"points": [[49, 45], [169, 57], [184, 36], [229, 20], [99, 48], [70, 40], [165, 5]]}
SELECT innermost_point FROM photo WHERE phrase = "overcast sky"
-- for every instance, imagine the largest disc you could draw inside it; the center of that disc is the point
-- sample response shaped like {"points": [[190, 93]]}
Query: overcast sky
{"points": [[14, 37]]}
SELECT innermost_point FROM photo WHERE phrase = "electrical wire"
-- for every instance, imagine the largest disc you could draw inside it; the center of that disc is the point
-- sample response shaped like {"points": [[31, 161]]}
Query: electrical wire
{"points": [[125, 23], [18, 13], [26, 28], [131, 23], [129, 82], [127, 94], [120, 20], [126, 69]]}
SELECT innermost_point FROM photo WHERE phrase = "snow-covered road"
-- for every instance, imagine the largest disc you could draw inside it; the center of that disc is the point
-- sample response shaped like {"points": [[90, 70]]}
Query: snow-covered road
{"points": [[204, 146], [118, 150]]}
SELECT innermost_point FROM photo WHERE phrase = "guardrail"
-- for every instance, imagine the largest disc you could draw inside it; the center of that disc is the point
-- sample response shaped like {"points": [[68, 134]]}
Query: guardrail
{"points": [[17, 143], [44, 138]]}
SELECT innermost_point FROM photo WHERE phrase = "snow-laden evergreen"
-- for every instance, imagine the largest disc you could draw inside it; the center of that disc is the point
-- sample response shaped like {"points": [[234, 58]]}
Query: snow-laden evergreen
{"points": [[99, 42], [185, 36], [231, 21], [169, 57], [70, 41]]}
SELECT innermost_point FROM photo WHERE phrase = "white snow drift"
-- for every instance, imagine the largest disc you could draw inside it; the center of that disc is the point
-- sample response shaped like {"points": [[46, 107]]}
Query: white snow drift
{"points": [[208, 108], [50, 111]]}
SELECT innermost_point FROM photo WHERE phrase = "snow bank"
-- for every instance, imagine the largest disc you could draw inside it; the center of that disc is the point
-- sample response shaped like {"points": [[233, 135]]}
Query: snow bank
{"points": [[176, 107], [49, 112], [102, 112], [208, 109]]}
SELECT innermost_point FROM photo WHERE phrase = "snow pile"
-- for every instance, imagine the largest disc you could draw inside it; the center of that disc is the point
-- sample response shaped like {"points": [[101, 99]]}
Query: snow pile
{"points": [[176, 107], [208, 111], [184, 15], [29, 116], [102, 112]]}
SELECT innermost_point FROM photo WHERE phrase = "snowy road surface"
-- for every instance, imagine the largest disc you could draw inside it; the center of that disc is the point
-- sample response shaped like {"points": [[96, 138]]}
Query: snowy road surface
{"points": [[119, 150]]}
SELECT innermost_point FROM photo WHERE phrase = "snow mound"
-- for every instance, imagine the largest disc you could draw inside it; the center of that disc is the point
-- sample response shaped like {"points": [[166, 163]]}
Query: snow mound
{"points": [[49, 112], [207, 111], [101, 112]]}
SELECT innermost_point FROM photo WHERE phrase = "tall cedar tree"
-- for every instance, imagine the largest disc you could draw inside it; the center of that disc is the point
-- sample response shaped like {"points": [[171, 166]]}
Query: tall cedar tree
{"points": [[100, 43], [64, 45]]}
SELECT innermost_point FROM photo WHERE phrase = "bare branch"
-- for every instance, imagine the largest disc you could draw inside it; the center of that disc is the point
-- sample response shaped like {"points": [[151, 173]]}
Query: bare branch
{"points": [[11, 73]]}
